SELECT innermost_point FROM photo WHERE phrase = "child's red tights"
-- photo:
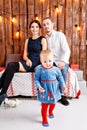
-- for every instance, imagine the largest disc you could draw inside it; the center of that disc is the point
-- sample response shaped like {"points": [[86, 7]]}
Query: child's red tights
{"points": [[44, 112]]}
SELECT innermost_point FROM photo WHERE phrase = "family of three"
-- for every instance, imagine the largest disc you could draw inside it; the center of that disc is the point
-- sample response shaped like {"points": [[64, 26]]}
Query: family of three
{"points": [[57, 57]]}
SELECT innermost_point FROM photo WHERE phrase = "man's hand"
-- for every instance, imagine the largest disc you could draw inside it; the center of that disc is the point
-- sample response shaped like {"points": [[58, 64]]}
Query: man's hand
{"points": [[61, 65], [64, 89]]}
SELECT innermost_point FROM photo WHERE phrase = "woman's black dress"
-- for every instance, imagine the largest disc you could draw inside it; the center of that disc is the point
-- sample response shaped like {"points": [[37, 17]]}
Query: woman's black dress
{"points": [[34, 48]]}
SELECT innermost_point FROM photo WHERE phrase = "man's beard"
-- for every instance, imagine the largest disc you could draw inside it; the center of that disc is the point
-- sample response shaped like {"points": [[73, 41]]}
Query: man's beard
{"points": [[49, 33]]}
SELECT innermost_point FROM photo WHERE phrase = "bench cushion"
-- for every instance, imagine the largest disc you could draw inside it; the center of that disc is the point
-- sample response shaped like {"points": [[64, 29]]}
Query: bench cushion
{"points": [[23, 84]]}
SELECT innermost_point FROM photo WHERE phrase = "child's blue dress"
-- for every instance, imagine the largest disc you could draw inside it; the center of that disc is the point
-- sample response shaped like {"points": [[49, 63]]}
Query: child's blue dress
{"points": [[49, 79]]}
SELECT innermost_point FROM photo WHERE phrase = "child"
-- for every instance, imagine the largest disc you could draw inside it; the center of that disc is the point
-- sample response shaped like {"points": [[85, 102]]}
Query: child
{"points": [[46, 80]]}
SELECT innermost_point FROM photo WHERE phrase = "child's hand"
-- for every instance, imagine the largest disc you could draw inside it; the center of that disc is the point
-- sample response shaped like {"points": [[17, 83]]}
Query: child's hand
{"points": [[41, 89]]}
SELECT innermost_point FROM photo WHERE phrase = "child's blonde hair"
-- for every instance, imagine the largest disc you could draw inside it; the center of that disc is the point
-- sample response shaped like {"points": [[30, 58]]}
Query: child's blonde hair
{"points": [[46, 53]]}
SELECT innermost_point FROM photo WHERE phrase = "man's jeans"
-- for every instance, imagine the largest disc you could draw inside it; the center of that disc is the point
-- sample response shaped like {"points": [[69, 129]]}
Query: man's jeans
{"points": [[65, 72]]}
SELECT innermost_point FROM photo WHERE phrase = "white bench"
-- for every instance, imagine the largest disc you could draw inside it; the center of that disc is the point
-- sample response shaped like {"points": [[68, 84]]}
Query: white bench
{"points": [[23, 84]]}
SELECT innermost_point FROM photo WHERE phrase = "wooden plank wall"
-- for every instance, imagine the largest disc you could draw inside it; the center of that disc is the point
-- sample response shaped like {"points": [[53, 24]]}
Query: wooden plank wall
{"points": [[72, 13]]}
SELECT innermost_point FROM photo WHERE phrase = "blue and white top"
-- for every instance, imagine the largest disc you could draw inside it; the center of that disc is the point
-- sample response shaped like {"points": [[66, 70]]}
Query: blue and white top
{"points": [[51, 80]]}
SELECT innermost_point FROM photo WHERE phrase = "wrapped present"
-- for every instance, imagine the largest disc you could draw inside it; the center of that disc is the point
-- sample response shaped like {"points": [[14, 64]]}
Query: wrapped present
{"points": [[75, 66]]}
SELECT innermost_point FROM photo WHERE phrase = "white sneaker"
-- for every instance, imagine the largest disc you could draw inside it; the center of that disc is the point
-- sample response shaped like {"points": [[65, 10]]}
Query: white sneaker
{"points": [[12, 103]]}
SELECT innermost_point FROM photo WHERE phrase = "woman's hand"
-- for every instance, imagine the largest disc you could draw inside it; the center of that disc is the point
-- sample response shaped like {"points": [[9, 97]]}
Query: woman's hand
{"points": [[29, 62]]}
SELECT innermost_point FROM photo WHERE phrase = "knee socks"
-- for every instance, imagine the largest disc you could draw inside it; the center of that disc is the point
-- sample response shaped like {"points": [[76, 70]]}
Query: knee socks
{"points": [[8, 75], [44, 113], [51, 108]]}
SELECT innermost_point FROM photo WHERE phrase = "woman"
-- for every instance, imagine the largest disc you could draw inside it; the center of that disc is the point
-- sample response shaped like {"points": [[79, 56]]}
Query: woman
{"points": [[31, 58]]}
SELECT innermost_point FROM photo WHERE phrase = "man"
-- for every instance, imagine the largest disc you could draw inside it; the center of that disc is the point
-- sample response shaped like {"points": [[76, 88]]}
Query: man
{"points": [[57, 43]]}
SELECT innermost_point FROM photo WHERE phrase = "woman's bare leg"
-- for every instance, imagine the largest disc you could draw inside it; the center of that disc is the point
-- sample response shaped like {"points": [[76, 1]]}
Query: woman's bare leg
{"points": [[21, 68]]}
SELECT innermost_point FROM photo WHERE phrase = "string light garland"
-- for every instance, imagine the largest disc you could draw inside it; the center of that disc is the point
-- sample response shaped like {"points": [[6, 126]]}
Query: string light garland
{"points": [[77, 27], [58, 10], [36, 17], [13, 19], [0, 17], [41, 1], [17, 33]]}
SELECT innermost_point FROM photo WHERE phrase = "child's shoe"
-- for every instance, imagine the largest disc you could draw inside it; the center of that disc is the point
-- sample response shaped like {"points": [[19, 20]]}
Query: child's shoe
{"points": [[12, 103], [46, 125], [52, 116]]}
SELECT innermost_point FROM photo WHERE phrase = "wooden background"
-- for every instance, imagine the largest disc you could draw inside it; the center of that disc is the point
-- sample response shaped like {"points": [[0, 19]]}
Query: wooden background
{"points": [[72, 13]]}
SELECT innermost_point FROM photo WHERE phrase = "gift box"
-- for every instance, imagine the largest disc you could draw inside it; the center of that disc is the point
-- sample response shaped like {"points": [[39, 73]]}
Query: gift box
{"points": [[2, 68], [75, 66]]}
